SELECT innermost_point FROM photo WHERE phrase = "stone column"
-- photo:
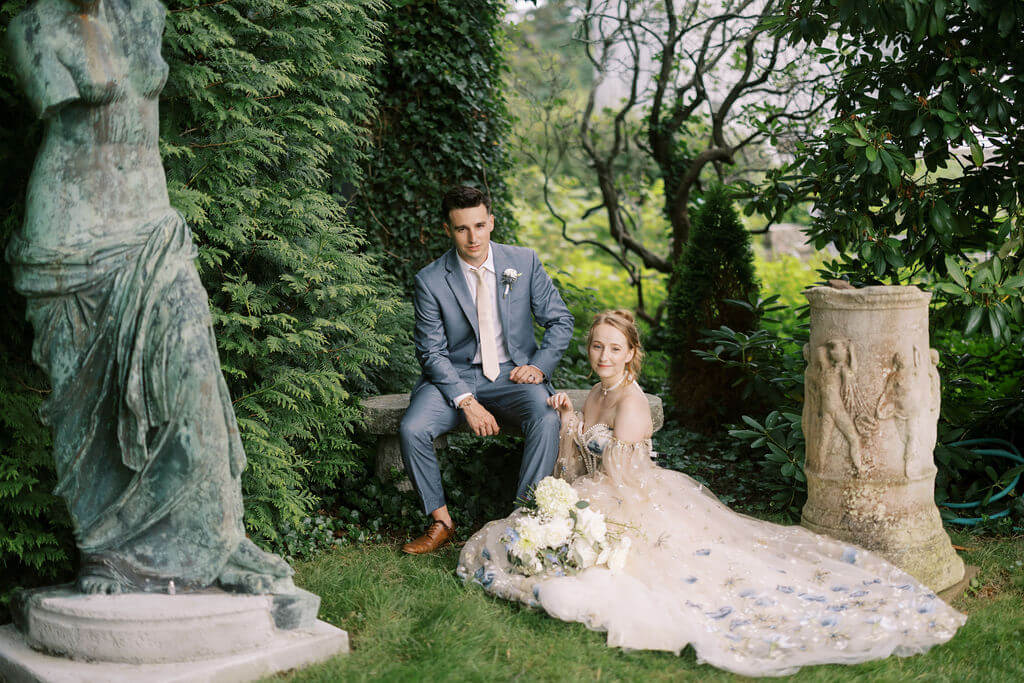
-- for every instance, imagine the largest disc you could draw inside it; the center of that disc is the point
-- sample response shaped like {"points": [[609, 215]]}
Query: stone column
{"points": [[870, 414]]}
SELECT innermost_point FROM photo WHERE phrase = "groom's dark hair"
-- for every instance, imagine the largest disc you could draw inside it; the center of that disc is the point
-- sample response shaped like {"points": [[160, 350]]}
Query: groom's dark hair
{"points": [[462, 197]]}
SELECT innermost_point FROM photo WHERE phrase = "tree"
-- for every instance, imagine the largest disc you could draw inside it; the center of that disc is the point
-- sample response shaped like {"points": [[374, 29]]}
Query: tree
{"points": [[716, 265], [920, 176], [441, 121], [705, 91]]}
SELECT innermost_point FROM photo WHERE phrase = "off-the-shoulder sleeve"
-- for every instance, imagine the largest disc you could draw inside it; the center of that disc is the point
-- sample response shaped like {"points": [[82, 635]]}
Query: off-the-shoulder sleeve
{"points": [[569, 464], [628, 463], [46, 81]]}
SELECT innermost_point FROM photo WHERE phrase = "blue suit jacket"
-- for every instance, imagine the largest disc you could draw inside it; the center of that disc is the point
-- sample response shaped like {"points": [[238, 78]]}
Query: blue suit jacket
{"points": [[446, 334]]}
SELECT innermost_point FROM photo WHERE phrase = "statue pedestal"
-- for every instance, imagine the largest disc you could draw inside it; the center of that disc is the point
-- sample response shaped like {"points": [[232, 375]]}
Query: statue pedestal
{"points": [[62, 635], [870, 414]]}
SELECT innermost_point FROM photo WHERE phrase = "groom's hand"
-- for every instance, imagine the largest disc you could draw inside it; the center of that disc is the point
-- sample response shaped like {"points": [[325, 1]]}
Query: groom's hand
{"points": [[526, 374], [479, 418]]}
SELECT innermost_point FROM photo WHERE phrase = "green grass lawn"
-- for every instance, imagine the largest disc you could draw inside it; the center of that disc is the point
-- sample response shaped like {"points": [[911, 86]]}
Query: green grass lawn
{"points": [[410, 619]]}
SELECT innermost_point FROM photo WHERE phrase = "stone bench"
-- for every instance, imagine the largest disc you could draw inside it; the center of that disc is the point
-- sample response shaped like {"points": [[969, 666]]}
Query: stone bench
{"points": [[384, 415]]}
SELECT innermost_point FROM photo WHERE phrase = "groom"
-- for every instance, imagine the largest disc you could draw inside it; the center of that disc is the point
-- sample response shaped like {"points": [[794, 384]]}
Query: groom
{"points": [[475, 310]]}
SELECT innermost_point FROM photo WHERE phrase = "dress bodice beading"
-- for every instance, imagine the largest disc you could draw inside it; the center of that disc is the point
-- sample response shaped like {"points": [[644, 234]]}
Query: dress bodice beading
{"points": [[595, 451]]}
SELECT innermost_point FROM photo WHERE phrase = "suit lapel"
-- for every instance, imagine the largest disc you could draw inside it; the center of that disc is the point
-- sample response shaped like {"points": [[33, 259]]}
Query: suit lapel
{"points": [[457, 281], [501, 263]]}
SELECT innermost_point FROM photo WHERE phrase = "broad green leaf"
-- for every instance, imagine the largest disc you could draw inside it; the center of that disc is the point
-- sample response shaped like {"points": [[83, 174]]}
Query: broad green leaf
{"points": [[954, 271]]}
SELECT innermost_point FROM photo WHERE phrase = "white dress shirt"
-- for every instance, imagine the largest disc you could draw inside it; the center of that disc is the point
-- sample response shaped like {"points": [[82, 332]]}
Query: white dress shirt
{"points": [[469, 272]]}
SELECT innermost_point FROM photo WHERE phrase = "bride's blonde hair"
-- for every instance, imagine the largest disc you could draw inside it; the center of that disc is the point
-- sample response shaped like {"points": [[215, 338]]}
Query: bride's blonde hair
{"points": [[623, 321]]}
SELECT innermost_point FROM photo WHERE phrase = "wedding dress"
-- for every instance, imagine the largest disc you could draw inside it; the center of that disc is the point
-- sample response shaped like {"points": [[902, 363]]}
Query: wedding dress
{"points": [[751, 597]]}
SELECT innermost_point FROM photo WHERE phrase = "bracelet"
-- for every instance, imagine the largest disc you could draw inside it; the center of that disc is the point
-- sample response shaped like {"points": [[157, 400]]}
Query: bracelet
{"points": [[465, 402]]}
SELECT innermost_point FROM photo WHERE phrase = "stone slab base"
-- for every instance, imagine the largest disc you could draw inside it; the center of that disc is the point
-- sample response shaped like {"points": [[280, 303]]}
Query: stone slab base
{"points": [[957, 589], [282, 651]]}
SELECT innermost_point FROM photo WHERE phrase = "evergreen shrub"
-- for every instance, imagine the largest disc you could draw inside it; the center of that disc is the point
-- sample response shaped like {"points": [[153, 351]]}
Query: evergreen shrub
{"points": [[264, 100], [715, 266]]}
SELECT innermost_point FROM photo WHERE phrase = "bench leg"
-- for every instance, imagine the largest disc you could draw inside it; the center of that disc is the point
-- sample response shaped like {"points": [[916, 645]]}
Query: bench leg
{"points": [[389, 459]]}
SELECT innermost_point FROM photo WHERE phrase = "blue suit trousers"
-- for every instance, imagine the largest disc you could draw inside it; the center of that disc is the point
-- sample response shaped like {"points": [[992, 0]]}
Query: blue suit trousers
{"points": [[430, 415]]}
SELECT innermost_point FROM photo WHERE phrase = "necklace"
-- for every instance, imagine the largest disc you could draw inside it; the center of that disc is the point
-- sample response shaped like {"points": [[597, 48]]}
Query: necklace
{"points": [[605, 392]]}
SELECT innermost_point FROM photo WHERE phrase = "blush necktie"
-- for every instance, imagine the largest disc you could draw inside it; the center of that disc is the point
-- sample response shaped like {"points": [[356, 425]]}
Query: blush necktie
{"points": [[485, 320]]}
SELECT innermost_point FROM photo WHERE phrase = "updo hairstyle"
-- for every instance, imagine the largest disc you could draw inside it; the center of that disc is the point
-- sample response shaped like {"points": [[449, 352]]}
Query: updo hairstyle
{"points": [[623, 321]]}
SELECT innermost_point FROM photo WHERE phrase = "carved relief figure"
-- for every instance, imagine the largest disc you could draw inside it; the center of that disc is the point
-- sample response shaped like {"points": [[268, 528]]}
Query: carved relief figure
{"points": [[147, 450], [900, 401], [934, 384], [811, 416], [838, 401]]}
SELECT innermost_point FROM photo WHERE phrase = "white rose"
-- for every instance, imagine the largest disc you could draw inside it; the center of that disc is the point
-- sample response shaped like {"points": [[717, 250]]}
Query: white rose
{"points": [[590, 525], [617, 557], [583, 554], [554, 497]]}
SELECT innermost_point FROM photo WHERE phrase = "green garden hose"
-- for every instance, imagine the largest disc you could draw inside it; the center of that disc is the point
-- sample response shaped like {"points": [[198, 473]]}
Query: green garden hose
{"points": [[1003, 449]]}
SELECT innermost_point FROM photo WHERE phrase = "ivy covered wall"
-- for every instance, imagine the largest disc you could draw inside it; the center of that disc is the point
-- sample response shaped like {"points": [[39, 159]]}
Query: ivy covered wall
{"points": [[441, 121]]}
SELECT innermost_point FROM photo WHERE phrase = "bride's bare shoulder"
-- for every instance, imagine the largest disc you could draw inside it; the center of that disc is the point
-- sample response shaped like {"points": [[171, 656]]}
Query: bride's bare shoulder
{"points": [[633, 417]]}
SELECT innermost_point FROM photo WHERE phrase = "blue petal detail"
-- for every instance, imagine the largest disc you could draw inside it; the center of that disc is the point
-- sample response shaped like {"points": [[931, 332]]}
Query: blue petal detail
{"points": [[836, 608], [736, 623], [748, 593], [812, 598], [926, 609], [764, 602], [512, 534], [485, 553], [829, 621], [690, 579], [721, 613], [784, 589], [703, 551], [859, 594], [906, 587], [840, 589], [536, 592], [849, 555]]}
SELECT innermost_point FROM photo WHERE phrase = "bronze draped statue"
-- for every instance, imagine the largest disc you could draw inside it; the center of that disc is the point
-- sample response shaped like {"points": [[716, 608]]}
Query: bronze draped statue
{"points": [[146, 445]]}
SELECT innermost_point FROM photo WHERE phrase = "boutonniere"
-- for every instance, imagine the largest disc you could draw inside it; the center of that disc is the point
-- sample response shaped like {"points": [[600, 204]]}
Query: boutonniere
{"points": [[508, 278]]}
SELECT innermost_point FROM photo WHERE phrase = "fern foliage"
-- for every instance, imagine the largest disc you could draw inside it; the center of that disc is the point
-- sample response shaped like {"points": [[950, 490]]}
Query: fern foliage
{"points": [[264, 100]]}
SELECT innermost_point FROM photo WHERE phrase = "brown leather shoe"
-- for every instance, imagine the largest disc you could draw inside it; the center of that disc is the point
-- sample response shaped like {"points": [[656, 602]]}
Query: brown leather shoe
{"points": [[436, 535]]}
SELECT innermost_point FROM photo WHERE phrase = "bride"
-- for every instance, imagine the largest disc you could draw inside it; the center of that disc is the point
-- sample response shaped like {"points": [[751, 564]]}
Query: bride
{"points": [[751, 597]]}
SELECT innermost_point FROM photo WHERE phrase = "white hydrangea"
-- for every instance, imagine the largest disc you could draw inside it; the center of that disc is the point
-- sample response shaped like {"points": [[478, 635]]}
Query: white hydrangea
{"points": [[530, 538], [554, 497], [591, 526]]}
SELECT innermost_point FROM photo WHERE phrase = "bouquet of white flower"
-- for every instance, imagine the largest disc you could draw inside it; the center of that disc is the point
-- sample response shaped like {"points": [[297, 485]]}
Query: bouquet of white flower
{"points": [[561, 533]]}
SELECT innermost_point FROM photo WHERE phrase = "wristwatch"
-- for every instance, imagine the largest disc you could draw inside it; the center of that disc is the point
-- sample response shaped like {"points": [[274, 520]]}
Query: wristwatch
{"points": [[465, 402]]}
